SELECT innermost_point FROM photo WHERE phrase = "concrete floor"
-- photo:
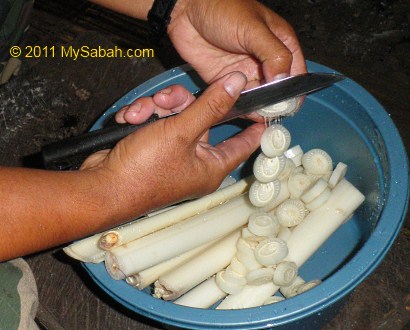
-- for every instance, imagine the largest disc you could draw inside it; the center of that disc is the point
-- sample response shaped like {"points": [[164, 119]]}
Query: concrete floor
{"points": [[54, 98]]}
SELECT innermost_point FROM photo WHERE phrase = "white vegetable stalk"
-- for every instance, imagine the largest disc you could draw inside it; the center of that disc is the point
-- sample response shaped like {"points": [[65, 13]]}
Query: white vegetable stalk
{"points": [[150, 275], [88, 249], [180, 280], [321, 223], [175, 240], [203, 295], [250, 296], [273, 300]]}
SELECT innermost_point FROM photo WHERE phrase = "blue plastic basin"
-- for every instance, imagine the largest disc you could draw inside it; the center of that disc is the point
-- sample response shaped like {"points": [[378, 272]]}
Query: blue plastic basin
{"points": [[347, 122]]}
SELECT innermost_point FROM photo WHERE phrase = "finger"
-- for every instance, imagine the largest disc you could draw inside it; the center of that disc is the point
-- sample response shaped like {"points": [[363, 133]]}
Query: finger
{"points": [[240, 147], [275, 57], [119, 115], [212, 105], [285, 34], [137, 112], [171, 99], [232, 152], [175, 98], [288, 37]]}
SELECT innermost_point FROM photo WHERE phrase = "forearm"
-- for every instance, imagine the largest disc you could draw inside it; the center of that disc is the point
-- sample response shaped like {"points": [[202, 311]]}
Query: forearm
{"points": [[133, 8], [41, 209]]}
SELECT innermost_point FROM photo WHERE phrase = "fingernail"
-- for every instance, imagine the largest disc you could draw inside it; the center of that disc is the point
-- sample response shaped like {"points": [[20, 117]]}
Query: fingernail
{"points": [[166, 91], [235, 83], [280, 76], [134, 107]]}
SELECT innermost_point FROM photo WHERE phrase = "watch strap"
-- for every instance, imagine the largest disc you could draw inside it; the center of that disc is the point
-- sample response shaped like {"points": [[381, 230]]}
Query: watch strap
{"points": [[159, 17]]}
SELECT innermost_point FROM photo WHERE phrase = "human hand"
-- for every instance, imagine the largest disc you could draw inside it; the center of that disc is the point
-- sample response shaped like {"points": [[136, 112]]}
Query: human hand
{"points": [[172, 99], [218, 37], [168, 161]]}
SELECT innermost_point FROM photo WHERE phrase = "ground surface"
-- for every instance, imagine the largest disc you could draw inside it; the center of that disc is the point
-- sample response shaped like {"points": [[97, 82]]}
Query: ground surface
{"points": [[369, 41]]}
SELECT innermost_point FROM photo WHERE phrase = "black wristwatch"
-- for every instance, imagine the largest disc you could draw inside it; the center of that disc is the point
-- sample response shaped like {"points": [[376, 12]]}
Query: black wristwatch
{"points": [[159, 17]]}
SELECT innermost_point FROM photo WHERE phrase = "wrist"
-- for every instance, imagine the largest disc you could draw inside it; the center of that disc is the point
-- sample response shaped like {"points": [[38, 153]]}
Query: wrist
{"points": [[121, 194]]}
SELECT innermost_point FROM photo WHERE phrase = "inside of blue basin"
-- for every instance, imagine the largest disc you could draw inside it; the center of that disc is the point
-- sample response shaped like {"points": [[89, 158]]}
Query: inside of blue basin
{"points": [[351, 126]]}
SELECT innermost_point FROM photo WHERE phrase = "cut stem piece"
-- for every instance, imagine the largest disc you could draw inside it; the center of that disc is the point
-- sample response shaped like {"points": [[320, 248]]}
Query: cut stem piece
{"points": [[285, 273], [314, 191], [273, 300], [89, 250], [148, 276], [250, 296], [198, 269], [298, 183], [290, 213], [263, 224], [338, 174], [230, 281], [275, 140], [261, 194], [203, 295], [292, 289], [295, 155], [283, 108], [271, 251], [307, 286], [317, 162], [319, 224], [266, 169], [179, 238]]}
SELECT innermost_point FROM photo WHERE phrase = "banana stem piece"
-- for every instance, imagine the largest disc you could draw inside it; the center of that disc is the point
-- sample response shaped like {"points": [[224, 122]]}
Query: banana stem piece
{"points": [[180, 280], [203, 295], [179, 238], [250, 296], [92, 249], [321, 223], [150, 275]]}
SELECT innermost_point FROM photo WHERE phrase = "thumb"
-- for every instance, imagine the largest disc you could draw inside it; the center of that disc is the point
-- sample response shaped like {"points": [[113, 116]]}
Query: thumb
{"points": [[212, 105]]}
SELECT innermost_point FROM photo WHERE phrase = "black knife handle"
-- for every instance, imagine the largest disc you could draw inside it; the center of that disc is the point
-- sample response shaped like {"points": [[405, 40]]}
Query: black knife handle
{"points": [[70, 153]]}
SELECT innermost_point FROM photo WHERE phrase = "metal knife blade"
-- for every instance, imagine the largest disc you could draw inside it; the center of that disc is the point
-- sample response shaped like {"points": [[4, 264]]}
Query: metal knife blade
{"points": [[71, 152], [262, 96]]}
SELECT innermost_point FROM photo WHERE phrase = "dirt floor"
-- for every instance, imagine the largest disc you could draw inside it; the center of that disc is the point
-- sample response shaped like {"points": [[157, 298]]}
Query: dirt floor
{"points": [[53, 98]]}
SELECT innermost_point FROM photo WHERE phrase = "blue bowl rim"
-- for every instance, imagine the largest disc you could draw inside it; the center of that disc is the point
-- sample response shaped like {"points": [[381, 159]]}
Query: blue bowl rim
{"points": [[338, 284]]}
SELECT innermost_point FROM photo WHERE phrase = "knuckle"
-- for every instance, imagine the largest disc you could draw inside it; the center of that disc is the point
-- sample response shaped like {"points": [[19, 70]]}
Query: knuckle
{"points": [[283, 55], [217, 107]]}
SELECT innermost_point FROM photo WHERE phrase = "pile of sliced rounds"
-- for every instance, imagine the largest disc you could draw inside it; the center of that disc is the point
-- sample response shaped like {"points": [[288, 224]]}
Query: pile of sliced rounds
{"points": [[262, 249]]}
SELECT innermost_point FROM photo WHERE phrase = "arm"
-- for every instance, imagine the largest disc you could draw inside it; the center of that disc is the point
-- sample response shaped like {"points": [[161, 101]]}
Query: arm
{"points": [[41, 209], [133, 8]]}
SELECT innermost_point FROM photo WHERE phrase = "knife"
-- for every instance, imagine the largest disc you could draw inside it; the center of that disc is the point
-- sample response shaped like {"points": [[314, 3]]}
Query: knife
{"points": [[71, 152]]}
